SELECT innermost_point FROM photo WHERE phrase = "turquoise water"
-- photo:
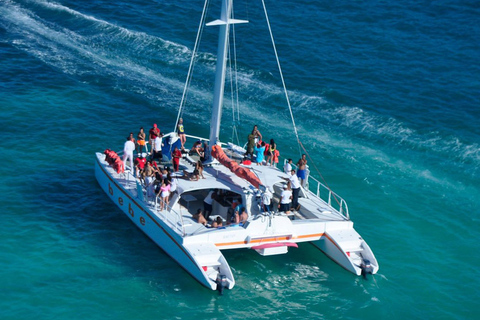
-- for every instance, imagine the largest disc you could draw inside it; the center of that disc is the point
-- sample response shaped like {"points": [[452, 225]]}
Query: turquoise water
{"points": [[386, 98]]}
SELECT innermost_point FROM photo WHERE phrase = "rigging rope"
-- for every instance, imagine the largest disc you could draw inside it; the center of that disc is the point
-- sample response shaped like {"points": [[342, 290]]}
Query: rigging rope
{"points": [[192, 64], [300, 145], [281, 75], [234, 87]]}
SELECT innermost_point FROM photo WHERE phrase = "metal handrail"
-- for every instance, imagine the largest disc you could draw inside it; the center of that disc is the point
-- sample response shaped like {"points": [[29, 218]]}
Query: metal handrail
{"points": [[341, 204], [178, 217]]}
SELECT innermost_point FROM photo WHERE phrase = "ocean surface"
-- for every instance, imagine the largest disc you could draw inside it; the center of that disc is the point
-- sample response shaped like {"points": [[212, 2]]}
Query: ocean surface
{"points": [[386, 98]]}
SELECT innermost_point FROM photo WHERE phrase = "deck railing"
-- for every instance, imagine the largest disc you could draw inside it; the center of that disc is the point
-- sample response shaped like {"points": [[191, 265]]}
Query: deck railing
{"points": [[170, 216], [325, 193]]}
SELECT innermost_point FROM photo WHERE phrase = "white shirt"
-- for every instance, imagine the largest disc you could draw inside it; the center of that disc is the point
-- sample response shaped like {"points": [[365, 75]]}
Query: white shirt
{"points": [[158, 144], [287, 168], [209, 199], [173, 185], [267, 197], [129, 147], [294, 180], [286, 194]]}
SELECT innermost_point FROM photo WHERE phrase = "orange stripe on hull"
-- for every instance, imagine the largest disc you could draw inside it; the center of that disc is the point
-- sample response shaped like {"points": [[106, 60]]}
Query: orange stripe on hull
{"points": [[236, 243]]}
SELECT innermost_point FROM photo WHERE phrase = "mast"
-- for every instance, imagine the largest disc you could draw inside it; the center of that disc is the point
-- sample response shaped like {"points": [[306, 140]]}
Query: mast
{"points": [[223, 38]]}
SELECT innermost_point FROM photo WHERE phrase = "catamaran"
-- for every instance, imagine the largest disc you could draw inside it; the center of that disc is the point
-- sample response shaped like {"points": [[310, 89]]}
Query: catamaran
{"points": [[321, 218]]}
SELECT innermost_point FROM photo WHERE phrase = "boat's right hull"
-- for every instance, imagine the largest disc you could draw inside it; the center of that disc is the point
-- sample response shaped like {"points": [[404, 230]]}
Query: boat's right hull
{"points": [[350, 259]]}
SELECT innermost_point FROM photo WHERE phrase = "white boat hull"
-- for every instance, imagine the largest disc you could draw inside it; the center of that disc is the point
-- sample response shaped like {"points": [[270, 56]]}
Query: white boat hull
{"points": [[158, 230], [348, 249]]}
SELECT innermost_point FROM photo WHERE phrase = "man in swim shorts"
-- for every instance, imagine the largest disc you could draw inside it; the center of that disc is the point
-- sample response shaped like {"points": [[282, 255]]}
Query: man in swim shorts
{"points": [[302, 169]]}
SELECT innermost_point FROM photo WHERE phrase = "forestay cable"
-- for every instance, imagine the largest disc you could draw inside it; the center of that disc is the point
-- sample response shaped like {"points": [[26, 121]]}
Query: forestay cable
{"points": [[281, 76], [192, 63]]}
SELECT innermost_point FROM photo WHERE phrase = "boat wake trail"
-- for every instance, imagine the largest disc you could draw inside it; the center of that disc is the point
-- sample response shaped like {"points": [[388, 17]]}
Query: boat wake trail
{"points": [[100, 52], [88, 48]]}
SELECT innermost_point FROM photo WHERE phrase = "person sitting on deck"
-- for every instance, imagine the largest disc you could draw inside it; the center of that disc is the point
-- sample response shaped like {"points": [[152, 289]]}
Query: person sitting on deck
{"points": [[199, 217], [235, 219], [234, 214], [217, 223], [193, 176], [243, 216], [197, 149], [199, 170]]}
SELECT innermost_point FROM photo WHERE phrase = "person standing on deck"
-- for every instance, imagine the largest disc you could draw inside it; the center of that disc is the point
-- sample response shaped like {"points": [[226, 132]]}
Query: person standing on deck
{"points": [[285, 199], [176, 155], [302, 169], [271, 152], [131, 137], [295, 183], [267, 200], [140, 140], [152, 134], [259, 151], [181, 132], [140, 163], [256, 133], [250, 146], [128, 149], [208, 203], [288, 166], [157, 148]]}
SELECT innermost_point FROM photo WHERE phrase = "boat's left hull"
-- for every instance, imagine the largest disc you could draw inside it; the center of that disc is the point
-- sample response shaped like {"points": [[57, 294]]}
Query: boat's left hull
{"points": [[155, 228]]}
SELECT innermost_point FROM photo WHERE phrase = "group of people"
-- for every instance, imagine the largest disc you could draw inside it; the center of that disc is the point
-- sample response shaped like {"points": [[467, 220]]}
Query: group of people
{"points": [[198, 149], [256, 146], [199, 217], [131, 145], [301, 168], [155, 140], [157, 181], [161, 183], [291, 190], [236, 213]]}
